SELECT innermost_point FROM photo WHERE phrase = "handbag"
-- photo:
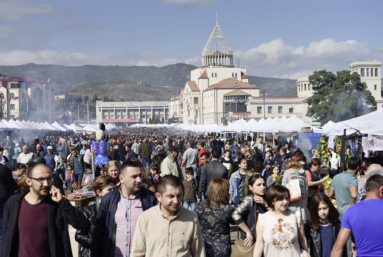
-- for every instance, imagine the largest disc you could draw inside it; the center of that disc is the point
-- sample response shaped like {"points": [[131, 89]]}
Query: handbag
{"points": [[294, 188], [240, 249]]}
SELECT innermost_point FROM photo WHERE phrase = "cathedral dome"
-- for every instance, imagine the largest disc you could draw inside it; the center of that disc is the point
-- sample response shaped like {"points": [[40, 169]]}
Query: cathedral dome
{"points": [[217, 51]]}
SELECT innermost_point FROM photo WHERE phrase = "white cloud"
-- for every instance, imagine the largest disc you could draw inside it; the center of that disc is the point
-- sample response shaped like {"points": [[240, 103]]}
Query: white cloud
{"points": [[276, 59], [272, 59], [191, 3], [15, 10]]}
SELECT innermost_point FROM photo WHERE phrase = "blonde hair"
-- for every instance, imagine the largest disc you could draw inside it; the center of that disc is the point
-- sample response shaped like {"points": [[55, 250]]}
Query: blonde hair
{"points": [[293, 165], [112, 164], [249, 155]]}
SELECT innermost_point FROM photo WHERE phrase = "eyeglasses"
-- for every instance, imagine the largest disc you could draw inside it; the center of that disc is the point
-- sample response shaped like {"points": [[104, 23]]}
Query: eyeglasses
{"points": [[41, 180]]}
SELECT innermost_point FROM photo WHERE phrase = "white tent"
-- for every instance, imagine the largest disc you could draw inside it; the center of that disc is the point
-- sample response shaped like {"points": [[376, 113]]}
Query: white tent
{"points": [[293, 124], [8, 125], [24, 126], [89, 128], [75, 128], [249, 126]]}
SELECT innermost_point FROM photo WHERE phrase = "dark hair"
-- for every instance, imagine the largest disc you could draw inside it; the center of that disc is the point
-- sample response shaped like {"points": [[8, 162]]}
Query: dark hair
{"points": [[298, 153], [32, 168], [201, 143], [20, 166], [241, 159], [70, 165], [283, 149], [147, 183], [276, 193], [189, 170], [353, 163], [252, 180], [315, 161], [333, 214], [101, 182], [168, 180], [270, 151], [216, 152], [374, 183], [258, 166], [127, 164], [155, 167], [207, 155]]}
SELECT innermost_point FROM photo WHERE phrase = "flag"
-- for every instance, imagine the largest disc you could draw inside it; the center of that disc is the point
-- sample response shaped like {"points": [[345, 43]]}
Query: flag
{"points": [[15, 98]]}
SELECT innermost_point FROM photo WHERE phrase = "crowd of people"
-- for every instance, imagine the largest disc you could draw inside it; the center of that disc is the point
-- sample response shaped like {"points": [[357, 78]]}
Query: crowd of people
{"points": [[164, 193]]}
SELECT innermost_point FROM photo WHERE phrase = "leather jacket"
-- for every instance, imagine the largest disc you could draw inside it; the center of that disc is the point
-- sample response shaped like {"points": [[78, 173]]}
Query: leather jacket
{"points": [[245, 212], [314, 239], [84, 236]]}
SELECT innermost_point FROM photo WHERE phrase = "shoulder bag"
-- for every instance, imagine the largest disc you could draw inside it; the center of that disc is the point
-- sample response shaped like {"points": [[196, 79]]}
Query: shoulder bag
{"points": [[294, 188], [240, 249]]}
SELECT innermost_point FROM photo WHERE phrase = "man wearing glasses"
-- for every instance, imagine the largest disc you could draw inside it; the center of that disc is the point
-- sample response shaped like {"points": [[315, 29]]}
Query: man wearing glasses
{"points": [[36, 221]]}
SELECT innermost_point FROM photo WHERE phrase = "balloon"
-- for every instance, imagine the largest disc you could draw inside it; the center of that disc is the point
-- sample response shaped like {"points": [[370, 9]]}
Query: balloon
{"points": [[95, 148], [99, 150]]}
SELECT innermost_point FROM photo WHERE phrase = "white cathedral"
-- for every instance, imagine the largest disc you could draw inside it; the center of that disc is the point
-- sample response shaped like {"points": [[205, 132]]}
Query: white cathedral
{"points": [[219, 93]]}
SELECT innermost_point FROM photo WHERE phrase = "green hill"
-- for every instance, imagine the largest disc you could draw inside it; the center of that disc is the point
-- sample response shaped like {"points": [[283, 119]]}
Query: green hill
{"points": [[120, 82]]}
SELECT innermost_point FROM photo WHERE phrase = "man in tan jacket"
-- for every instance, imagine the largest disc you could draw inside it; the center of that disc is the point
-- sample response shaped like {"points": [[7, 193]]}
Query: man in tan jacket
{"points": [[170, 166], [167, 229]]}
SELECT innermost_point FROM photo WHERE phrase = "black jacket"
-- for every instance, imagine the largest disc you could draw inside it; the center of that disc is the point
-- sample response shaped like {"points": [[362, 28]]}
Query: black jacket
{"points": [[103, 241], [84, 236], [210, 171], [59, 215], [115, 155], [314, 239], [8, 185]]}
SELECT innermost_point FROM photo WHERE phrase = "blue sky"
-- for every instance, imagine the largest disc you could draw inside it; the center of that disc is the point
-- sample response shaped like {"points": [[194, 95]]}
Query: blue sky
{"points": [[272, 38]]}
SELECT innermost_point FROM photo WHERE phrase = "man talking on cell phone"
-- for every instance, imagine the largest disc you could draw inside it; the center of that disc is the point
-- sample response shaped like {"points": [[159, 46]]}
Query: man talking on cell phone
{"points": [[36, 221]]}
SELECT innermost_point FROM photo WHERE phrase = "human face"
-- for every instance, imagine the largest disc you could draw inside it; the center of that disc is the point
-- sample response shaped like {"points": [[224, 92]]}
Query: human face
{"points": [[314, 168], [41, 189], [49, 151], [298, 158], [38, 147], [323, 211], [113, 172], [131, 180], [259, 187], [171, 199], [1, 153], [227, 154], [153, 172], [174, 154], [74, 153], [281, 205], [243, 165], [108, 188], [25, 149], [276, 170], [19, 172], [204, 160]]}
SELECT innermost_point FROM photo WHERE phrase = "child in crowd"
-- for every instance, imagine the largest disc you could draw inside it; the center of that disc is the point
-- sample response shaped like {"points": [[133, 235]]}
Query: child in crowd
{"points": [[155, 171], [148, 184], [190, 185], [69, 176], [274, 178]]}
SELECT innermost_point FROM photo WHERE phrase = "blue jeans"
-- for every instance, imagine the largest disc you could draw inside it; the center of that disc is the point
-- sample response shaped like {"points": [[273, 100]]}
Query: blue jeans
{"points": [[192, 205], [146, 160], [195, 172]]}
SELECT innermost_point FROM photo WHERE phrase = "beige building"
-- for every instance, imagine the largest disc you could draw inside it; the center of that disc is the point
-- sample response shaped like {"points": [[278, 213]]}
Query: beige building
{"points": [[217, 91], [26, 98], [369, 71], [131, 112]]}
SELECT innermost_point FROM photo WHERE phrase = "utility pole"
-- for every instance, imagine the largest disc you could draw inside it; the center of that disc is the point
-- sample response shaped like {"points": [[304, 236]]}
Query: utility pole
{"points": [[139, 85], [264, 93]]}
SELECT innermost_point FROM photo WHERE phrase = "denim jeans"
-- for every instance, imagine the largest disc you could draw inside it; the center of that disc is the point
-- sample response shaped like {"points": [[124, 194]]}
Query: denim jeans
{"points": [[192, 205], [195, 172], [146, 160]]}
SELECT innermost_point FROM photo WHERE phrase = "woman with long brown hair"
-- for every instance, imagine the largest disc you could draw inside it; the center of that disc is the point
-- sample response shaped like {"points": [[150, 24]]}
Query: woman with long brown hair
{"points": [[214, 215], [323, 228]]}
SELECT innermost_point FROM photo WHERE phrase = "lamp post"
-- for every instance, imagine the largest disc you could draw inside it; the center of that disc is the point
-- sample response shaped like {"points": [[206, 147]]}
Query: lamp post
{"points": [[264, 93], [87, 109]]}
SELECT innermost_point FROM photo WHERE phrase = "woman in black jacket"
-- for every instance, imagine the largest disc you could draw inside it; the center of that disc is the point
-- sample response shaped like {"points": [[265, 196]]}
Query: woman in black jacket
{"points": [[323, 228], [101, 186]]}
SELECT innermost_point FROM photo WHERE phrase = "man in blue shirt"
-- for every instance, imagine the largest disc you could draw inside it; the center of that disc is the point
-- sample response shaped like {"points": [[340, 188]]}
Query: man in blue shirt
{"points": [[234, 150], [364, 221]]}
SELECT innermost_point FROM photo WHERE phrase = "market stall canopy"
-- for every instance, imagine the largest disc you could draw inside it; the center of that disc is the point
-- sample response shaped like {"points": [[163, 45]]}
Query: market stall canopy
{"points": [[293, 124], [90, 128], [249, 126]]}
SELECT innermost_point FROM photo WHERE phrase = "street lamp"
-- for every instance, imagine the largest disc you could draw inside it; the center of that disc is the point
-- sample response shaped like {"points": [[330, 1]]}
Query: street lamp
{"points": [[87, 110], [264, 94]]}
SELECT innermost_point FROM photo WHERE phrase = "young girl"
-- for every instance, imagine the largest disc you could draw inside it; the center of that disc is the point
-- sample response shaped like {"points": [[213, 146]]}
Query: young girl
{"points": [[274, 178], [323, 228], [246, 212], [69, 176], [113, 170], [226, 160]]}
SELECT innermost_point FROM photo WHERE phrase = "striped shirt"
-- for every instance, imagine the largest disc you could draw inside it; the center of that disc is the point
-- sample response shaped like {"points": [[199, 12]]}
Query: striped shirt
{"points": [[128, 210]]}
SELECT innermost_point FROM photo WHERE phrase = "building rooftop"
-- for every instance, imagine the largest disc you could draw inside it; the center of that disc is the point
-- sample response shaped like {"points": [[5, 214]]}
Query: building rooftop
{"points": [[232, 83], [217, 44], [204, 75], [193, 86], [236, 92], [5, 79]]}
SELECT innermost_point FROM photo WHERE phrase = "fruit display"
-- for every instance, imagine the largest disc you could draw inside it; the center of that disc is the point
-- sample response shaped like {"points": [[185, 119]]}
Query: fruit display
{"points": [[322, 148], [338, 142]]}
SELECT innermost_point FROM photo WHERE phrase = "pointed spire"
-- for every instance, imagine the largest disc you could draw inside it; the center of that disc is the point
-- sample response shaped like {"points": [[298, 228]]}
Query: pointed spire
{"points": [[216, 18]]}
